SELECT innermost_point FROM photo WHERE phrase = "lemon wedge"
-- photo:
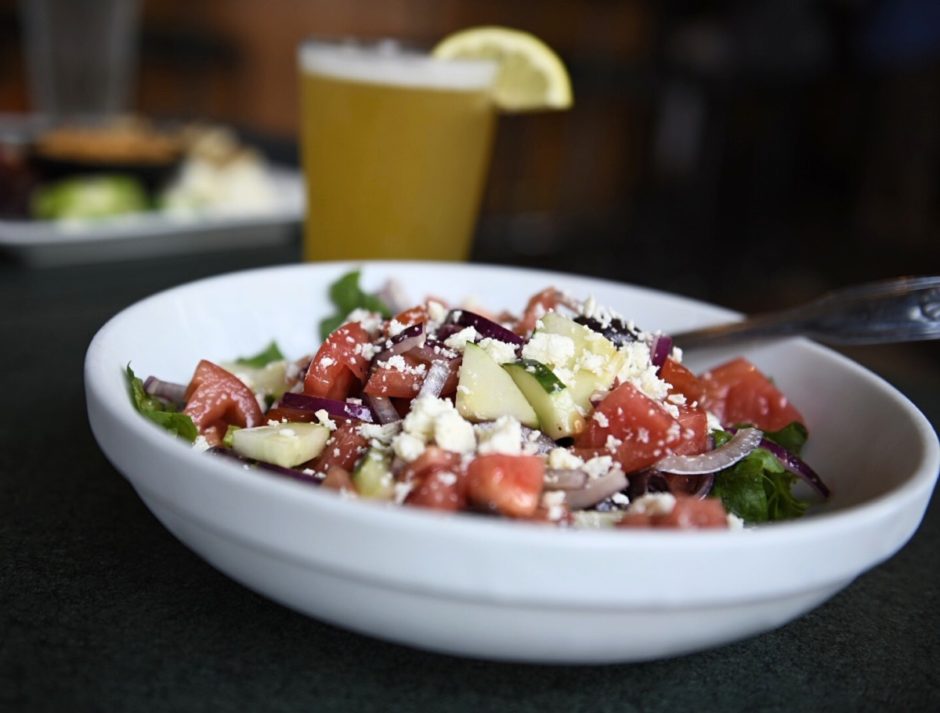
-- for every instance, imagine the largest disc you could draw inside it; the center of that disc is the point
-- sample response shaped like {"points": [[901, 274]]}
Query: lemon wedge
{"points": [[531, 76]]}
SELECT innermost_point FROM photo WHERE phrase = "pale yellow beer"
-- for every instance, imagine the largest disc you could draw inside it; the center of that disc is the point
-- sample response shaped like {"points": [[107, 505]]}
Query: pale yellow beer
{"points": [[395, 151]]}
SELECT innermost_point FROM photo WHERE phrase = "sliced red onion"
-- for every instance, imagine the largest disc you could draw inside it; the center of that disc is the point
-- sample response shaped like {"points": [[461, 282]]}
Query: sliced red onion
{"points": [[443, 332], [565, 479], [542, 442], [486, 327], [596, 490], [660, 350], [406, 340], [166, 390], [435, 380], [340, 409], [695, 486], [797, 466], [432, 351], [293, 473], [741, 445], [383, 408]]}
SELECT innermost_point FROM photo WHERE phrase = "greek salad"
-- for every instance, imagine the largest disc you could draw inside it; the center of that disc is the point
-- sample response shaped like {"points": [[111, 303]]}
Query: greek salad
{"points": [[568, 415]]}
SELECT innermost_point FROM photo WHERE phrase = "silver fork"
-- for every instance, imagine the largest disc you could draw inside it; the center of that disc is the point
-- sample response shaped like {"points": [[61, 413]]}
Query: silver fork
{"points": [[904, 309]]}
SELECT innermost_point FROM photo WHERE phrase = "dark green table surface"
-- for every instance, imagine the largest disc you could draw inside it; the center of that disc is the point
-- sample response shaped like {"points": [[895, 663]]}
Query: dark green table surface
{"points": [[102, 609]]}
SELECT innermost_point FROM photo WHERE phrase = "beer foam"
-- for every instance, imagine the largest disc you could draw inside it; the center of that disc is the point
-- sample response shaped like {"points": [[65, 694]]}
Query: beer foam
{"points": [[387, 62]]}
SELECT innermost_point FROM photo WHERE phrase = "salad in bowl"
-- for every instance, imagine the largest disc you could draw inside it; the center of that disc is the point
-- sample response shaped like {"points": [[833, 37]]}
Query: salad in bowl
{"points": [[564, 413]]}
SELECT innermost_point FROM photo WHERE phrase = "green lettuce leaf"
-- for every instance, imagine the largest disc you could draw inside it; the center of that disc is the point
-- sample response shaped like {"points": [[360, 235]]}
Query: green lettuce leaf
{"points": [[791, 437], [158, 411], [758, 487], [263, 358], [347, 295]]}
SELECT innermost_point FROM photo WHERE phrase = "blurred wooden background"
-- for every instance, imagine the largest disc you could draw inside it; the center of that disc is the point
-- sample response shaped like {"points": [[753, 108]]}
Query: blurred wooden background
{"points": [[750, 152]]}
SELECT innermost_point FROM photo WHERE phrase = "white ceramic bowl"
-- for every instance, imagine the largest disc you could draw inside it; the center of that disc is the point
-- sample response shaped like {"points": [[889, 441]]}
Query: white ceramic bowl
{"points": [[477, 586]]}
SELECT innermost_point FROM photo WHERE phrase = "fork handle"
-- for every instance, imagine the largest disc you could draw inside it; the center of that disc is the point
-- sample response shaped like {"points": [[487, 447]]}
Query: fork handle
{"points": [[905, 309]]}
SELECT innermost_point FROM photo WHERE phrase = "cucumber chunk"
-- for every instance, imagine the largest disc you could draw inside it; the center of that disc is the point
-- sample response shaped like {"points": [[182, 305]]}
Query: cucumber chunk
{"points": [[485, 392], [283, 444], [596, 360], [270, 379], [373, 476], [559, 416]]}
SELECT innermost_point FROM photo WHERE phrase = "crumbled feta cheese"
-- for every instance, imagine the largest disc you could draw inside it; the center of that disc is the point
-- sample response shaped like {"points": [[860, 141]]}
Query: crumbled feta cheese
{"points": [[327, 362], [653, 504], [563, 459], [407, 446], [613, 443], [734, 522], [367, 351], [446, 478], [396, 362], [436, 311], [395, 327], [713, 423], [424, 411], [323, 418], [437, 419], [380, 433], [553, 501], [676, 399], [370, 321], [459, 340], [601, 419], [592, 361], [401, 491], [620, 499], [599, 466], [503, 436], [500, 352], [547, 348], [592, 310], [453, 433], [201, 444], [639, 371]]}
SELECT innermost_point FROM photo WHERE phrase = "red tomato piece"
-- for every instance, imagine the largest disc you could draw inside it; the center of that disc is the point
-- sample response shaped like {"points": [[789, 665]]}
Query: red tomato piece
{"points": [[694, 436], [440, 482], [641, 430], [439, 489], [695, 513], [339, 479], [510, 485], [338, 363], [297, 415], [682, 381], [343, 449], [538, 305], [216, 398], [391, 378], [410, 317], [688, 513], [737, 392]]}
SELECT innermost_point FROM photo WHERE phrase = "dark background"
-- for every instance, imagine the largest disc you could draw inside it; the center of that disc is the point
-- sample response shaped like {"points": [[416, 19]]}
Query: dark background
{"points": [[753, 153]]}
